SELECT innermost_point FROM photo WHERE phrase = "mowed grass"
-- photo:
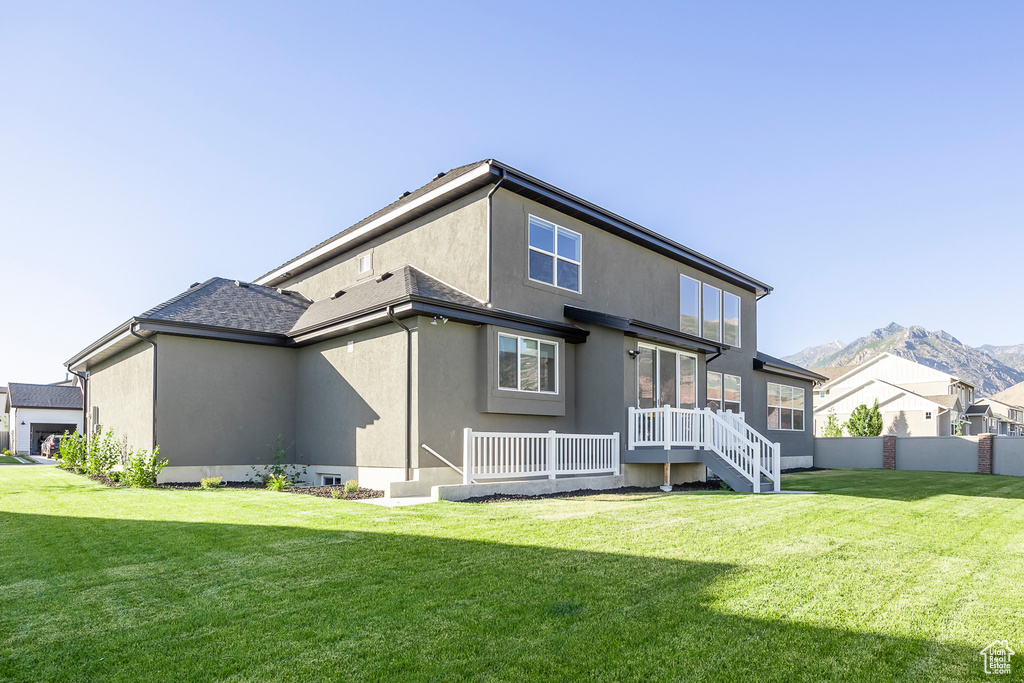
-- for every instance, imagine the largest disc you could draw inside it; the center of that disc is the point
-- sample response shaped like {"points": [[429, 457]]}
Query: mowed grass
{"points": [[881, 576]]}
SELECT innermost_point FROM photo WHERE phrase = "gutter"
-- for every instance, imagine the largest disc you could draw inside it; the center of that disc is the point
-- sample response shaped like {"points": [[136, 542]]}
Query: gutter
{"points": [[408, 390], [85, 396], [490, 233], [132, 331]]}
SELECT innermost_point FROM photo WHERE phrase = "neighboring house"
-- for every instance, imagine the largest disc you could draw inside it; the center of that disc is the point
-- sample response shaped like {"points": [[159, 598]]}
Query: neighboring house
{"points": [[487, 299], [37, 410], [982, 419], [1008, 419], [915, 400], [3, 402]]}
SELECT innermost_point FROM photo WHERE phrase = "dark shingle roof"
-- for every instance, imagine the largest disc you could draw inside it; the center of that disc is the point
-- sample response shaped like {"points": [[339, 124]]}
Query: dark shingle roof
{"points": [[405, 199], [222, 303], [978, 410], [796, 369], [45, 396], [403, 283]]}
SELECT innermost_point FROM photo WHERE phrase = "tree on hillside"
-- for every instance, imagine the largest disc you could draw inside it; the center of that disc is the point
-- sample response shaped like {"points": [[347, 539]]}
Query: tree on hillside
{"points": [[865, 421], [832, 427]]}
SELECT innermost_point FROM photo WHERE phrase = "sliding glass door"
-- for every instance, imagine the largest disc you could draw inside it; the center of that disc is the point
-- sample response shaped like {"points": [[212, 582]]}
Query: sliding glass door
{"points": [[665, 377]]}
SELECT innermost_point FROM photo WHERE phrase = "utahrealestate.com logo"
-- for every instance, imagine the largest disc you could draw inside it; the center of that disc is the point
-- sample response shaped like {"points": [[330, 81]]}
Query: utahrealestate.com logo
{"points": [[997, 657]]}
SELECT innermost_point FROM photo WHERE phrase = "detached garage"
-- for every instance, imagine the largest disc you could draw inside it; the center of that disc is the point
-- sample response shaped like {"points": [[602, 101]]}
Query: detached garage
{"points": [[37, 410]]}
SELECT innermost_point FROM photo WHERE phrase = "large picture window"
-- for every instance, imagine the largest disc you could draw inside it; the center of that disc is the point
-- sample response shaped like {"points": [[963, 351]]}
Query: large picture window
{"points": [[712, 313], [665, 377], [526, 364], [725, 392], [785, 407], [689, 305], [730, 319], [556, 254]]}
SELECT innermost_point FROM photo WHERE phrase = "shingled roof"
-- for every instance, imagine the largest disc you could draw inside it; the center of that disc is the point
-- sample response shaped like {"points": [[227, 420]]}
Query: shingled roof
{"points": [[44, 396], [402, 284], [230, 304]]}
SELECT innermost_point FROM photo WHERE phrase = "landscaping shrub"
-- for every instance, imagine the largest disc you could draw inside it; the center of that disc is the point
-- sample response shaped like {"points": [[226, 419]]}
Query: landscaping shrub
{"points": [[278, 482], [335, 494], [7, 451], [141, 468], [73, 450], [351, 486], [209, 482], [280, 467], [103, 452]]}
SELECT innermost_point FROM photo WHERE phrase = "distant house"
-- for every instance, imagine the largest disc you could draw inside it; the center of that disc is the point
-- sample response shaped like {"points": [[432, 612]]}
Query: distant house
{"points": [[982, 419], [1007, 419], [35, 411], [915, 400], [3, 418]]}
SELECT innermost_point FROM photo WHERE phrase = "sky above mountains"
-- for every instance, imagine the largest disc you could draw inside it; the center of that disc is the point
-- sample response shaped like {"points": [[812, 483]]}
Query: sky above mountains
{"points": [[865, 159]]}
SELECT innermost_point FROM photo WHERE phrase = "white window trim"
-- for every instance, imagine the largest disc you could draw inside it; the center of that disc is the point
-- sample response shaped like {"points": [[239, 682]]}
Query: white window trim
{"points": [[519, 364], [677, 353], [768, 405], [739, 319], [368, 259], [324, 477], [554, 274], [700, 303], [704, 286]]}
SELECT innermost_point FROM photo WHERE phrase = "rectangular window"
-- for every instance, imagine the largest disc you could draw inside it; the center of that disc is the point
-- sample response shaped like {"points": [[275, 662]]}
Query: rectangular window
{"points": [[555, 254], [714, 391], [927, 415], [333, 480], [785, 407], [732, 393], [665, 377], [689, 305], [526, 364], [731, 319], [712, 313], [365, 263]]}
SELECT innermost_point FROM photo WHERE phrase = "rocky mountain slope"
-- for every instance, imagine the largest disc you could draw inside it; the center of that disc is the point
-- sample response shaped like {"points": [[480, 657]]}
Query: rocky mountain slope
{"points": [[990, 368]]}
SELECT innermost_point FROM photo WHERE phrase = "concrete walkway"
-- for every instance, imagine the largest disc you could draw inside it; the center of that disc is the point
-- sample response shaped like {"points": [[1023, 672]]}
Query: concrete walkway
{"points": [[42, 459]]}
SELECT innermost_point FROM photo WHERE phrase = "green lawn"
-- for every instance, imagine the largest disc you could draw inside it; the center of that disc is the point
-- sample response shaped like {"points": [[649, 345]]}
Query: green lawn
{"points": [[10, 460], [881, 576]]}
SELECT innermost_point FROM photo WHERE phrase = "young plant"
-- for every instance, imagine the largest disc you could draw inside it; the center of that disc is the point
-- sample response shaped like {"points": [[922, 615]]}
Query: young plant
{"points": [[278, 482], [351, 486], [209, 482], [279, 466], [335, 494], [142, 468], [865, 421], [832, 428]]}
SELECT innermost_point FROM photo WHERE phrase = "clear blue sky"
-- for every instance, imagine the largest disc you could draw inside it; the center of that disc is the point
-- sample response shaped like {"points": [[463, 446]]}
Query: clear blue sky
{"points": [[865, 159]]}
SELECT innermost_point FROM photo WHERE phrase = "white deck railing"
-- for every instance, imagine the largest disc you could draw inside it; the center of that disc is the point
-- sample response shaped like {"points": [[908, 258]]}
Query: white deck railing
{"points": [[510, 455], [724, 433]]}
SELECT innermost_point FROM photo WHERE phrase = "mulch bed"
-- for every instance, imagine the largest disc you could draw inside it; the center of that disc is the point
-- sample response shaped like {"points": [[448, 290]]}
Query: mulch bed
{"points": [[320, 491], [798, 470], [328, 492], [511, 497]]}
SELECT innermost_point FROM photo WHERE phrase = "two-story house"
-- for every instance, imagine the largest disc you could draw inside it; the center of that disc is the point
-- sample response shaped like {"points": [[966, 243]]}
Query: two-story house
{"points": [[1005, 419], [486, 300], [915, 400]]}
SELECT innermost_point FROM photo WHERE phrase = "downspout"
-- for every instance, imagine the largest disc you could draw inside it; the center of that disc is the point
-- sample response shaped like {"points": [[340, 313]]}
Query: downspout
{"points": [[489, 235], [408, 390], [153, 344], [85, 397]]}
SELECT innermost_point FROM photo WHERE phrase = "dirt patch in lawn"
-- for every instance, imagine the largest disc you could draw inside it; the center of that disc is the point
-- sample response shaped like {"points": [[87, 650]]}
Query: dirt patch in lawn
{"points": [[510, 497]]}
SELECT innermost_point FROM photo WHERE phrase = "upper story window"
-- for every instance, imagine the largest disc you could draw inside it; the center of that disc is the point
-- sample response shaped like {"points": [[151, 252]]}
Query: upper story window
{"points": [[364, 263], [712, 313], [526, 364], [556, 254], [689, 305], [730, 319], [709, 312], [785, 407]]}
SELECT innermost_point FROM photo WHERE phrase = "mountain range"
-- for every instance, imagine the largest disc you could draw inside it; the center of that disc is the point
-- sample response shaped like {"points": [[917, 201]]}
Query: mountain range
{"points": [[991, 369]]}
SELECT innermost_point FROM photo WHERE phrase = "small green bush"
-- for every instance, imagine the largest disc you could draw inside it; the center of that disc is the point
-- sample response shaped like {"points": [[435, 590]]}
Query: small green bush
{"points": [[336, 494], [351, 486], [209, 482], [102, 453], [142, 468], [278, 482], [280, 467], [73, 452], [7, 451]]}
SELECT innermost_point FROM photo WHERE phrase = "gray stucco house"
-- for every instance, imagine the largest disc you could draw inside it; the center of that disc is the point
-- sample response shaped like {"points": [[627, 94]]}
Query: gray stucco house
{"points": [[486, 300]]}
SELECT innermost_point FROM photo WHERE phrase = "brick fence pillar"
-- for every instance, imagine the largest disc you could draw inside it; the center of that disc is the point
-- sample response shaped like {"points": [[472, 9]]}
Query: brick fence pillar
{"points": [[889, 452], [985, 453]]}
